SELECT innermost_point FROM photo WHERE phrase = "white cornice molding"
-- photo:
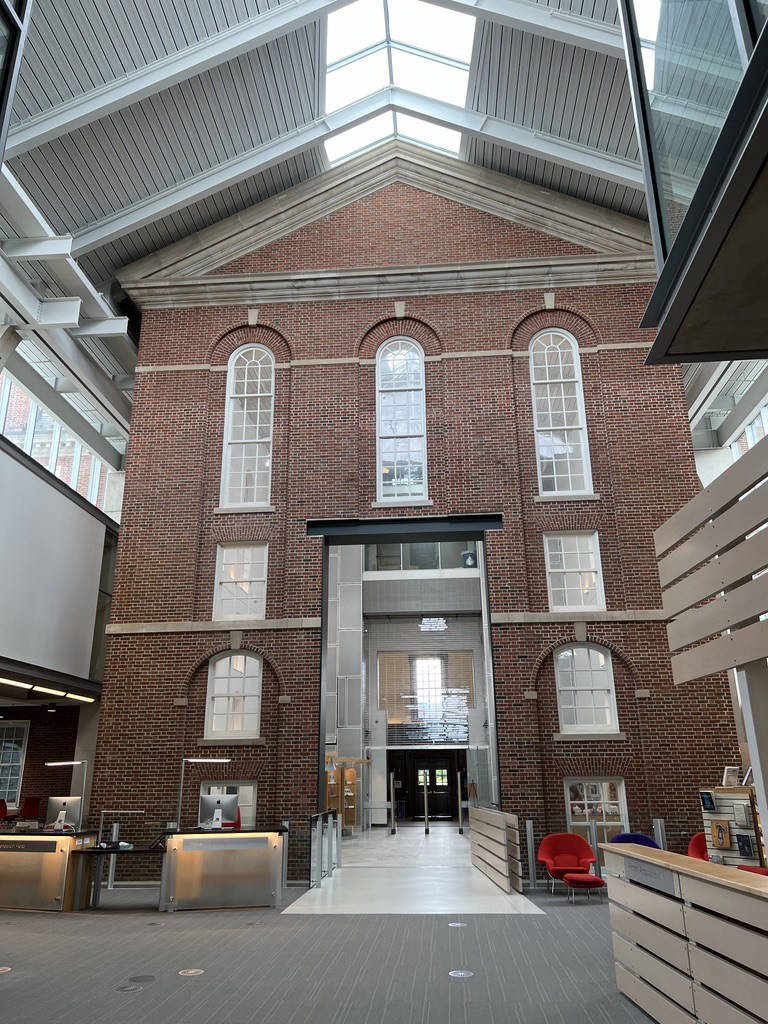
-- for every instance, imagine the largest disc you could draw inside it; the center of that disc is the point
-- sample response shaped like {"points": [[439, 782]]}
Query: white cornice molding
{"points": [[339, 285], [469, 184]]}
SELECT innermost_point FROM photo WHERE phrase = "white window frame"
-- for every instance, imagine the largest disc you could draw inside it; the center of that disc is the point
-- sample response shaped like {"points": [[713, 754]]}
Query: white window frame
{"points": [[582, 426], [15, 723], [576, 729], [596, 779], [221, 581], [217, 734], [230, 444], [224, 785], [401, 499], [599, 605]]}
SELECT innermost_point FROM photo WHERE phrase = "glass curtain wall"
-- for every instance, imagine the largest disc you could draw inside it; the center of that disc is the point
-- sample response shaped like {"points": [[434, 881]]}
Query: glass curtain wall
{"points": [[686, 62]]}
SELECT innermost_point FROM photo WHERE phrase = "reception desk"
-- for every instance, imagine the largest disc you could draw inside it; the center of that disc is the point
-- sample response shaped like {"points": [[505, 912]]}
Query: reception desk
{"points": [[219, 869], [690, 938], [38, 870]]}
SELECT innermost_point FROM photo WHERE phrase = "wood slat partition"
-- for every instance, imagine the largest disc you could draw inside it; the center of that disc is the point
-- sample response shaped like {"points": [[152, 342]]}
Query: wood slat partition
{"points": [[495, 842], [711, 554]]}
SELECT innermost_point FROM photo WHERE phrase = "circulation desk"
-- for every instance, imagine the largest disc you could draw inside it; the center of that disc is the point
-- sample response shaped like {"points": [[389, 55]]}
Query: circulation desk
{"points": [[690, 938], [37, 870], [218, 869]]}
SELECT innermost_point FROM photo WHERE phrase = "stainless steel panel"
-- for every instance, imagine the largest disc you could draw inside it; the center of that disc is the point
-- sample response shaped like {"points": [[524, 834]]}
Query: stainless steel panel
{"points": [[212, 871], [33, 872]]}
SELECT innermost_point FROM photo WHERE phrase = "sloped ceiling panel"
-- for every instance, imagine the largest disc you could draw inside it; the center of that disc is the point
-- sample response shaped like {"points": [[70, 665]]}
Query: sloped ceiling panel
{"points": [[559, 90], [101, 264], [600, 10], [75, 46], [176, 134]]}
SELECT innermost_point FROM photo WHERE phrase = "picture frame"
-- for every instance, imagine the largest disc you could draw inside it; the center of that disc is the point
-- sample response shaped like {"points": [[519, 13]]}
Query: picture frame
{"points": [[731, 776], [721, 834], [742, 814], [744, 844], [707, 798]]}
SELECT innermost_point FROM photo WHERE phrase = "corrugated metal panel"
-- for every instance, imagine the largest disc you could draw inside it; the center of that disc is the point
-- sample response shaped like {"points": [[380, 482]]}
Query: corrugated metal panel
{"points": [[101, 264], [600, 10], [181, 132], [77, 45]]}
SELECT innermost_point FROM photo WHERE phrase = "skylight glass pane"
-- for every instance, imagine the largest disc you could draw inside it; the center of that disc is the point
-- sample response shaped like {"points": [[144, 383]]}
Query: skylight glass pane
{"points": [[432, 28], [360, 137], [353, 81], [427, 133], [355, 28], [429, 77]]}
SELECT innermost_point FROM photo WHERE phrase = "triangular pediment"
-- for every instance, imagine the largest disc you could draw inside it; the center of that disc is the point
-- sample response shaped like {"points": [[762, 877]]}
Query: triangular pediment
{"points": [[540, 223]]}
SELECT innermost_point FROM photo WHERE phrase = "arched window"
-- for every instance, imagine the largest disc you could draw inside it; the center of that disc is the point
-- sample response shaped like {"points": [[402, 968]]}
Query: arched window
{"points": [[558, 411], [401, 426], [585, 693], [233, 705], [247, 462]]}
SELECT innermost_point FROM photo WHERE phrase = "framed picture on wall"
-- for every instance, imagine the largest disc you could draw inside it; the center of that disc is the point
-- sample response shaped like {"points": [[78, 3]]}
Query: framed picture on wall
{"points": [[707, 798], [721, 834], [731, 775], [744, 844]]}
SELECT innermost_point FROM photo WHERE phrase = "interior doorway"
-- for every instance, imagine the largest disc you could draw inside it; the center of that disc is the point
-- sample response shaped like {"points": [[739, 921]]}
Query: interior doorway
{"points": [[440, 769]]}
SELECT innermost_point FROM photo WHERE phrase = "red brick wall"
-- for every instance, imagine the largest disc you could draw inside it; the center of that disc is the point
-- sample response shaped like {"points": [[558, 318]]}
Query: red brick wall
{"points": [[481, 458]]}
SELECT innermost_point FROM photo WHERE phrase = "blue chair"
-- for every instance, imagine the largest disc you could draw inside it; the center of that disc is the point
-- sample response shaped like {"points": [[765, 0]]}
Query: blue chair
{"points": [[635, 837]]}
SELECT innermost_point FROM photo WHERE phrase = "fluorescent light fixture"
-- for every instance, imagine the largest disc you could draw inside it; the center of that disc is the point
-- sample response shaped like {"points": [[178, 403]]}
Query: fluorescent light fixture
{"points": [[46, 689], [15, 682], [208, 760], [194, 760], [61, 764], [79, 696]]}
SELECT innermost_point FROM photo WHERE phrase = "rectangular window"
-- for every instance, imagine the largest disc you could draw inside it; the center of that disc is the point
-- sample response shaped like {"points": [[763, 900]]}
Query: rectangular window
{"points": [[246, 798], [241, 581], [13, 747], [600, 800], [574, 579]]}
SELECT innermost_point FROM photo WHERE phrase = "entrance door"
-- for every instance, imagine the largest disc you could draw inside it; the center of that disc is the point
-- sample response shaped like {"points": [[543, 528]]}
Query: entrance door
{"points": [[436, 771]]}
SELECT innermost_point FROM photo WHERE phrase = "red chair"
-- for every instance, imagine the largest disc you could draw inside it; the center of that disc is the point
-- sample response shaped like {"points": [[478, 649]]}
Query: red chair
{"points": [[564, 853], [698, 846], [753, 868], [232, 824], [4, 815], [30, 808]]}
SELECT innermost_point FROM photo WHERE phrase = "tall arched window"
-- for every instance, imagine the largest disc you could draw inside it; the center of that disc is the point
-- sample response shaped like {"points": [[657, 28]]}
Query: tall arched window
{"points": [[558, 411], [401, 421], [233, 705], [247, 462], [585, 694]]}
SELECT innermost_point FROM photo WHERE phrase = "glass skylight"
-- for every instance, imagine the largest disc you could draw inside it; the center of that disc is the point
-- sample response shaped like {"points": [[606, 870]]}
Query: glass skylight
{"points": [[427, 133], [361, 137], [415, 46]]}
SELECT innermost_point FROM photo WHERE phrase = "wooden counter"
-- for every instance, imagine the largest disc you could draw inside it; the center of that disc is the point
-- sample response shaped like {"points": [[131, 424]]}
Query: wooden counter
{"points": [[690, 938]]}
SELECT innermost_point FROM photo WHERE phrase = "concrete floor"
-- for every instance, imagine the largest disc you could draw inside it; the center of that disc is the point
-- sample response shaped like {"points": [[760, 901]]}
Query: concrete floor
{"points": [[541, 961]]}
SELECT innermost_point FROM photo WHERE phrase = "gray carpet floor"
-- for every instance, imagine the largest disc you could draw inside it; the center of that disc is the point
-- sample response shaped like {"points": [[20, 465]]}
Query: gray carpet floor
{"points": [[121, 964]]}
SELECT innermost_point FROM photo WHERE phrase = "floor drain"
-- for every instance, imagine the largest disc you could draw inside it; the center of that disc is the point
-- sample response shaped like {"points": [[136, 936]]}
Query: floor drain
{"points": [[190, 971], [144, 977], [128, 988], [155, 924], [461, 974], [456, 924]]}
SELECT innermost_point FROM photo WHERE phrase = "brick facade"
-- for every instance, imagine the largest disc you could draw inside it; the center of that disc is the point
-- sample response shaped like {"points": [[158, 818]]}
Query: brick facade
{"points": [[481, 458]]}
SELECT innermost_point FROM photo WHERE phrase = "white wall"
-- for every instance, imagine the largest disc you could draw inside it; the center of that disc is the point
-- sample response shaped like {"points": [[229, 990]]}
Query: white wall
{"points": [[50, 560]]}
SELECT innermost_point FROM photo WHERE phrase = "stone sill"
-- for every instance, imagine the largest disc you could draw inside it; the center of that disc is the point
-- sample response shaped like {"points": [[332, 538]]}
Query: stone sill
{"points": [[577, 736], [255, 742], [229, 509], [567, 497], [405, 503]]}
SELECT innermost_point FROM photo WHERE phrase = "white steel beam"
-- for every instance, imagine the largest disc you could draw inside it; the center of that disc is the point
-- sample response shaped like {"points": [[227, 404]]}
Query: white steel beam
{"points": [[540, 20], [262, 28], [52, 248], [108, 327], [254, 161], [24, 307], [62, 410], [743, 411], [9, 339]]}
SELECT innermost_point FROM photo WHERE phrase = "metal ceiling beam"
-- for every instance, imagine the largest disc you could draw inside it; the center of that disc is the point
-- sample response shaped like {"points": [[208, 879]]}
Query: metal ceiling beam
{"points": [[166, 72], [524, 15], [52, 248], [707, 382], [254, 161], [540, 20], [26, 308], [744, 411], [62, 410]]}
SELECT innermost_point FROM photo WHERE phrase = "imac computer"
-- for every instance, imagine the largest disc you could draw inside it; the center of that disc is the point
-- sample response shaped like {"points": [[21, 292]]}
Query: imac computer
{"points": [[218, 811], [63, 814]]}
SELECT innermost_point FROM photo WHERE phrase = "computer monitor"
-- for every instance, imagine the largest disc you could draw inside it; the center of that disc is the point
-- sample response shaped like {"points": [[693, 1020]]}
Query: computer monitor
{"points": [[63, 814], [216, 810]]}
